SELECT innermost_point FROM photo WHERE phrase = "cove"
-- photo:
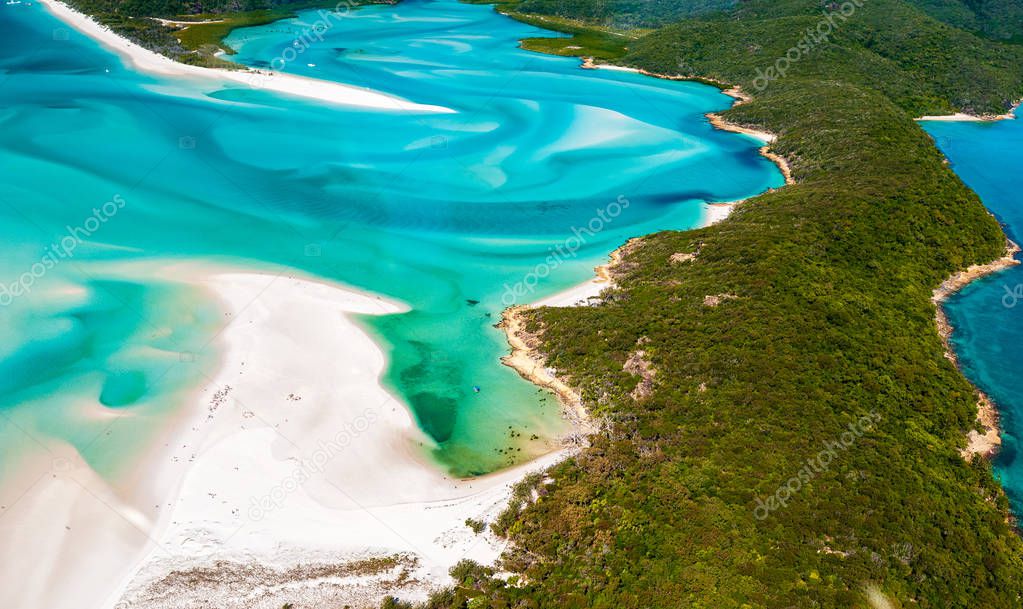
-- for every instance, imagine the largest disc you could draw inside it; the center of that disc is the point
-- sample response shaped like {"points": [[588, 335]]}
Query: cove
{"points": [[988, 313]]}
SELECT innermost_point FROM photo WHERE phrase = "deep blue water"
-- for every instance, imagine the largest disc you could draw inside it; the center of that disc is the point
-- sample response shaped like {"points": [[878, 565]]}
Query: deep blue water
{"points": [[441, 211], [988, 314]]}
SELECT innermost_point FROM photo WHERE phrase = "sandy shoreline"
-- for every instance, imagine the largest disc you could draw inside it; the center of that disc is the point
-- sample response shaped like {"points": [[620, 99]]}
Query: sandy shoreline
{"points": [[279, 492], [150, 62], [528, 360], [717, 212], [292, 476], [962, 116], [718, 121], [588, 63], [288, 473], [987, 443], [984, 444], [734, 91], [768, 138], [526, 357]]}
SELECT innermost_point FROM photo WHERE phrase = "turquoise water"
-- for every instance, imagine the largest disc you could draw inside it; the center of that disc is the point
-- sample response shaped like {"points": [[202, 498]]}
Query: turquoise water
{"points": [[455, 214], [988, 314]]}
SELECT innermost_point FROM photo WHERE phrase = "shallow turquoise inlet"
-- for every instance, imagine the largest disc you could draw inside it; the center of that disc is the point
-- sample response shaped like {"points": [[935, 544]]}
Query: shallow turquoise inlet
{"points": [[456, 214], [988, 314]]}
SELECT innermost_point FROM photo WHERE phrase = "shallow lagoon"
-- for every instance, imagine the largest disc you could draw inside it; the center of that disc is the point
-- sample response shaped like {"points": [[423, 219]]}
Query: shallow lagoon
{"points": [[448, 212]]}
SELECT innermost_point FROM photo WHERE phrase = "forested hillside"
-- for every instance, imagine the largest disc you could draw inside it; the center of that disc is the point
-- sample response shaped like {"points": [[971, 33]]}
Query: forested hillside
{"points": [[1000, 19], [765, 339], [626, 13]]}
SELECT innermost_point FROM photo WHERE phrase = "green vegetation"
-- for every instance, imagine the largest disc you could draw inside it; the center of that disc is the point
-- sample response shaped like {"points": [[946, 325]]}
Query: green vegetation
{"points": [[805, 311], [523, 494], [391, 602], [598, 42], [206, 35], [585, 38], [145, 32], [1000, 19], [922, 65], [197, 43], [625, 13]]}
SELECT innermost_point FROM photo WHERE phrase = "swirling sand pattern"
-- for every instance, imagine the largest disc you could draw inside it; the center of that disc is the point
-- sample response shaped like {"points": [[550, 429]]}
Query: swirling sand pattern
{"points": [[446, 212]]}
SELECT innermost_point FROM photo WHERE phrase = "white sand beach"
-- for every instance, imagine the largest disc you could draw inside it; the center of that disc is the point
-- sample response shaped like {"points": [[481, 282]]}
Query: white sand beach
{"points": [[716, 212], [575, 296], [958, 116], [584, 293], [291, 471], [962, 116], [289, 84]]}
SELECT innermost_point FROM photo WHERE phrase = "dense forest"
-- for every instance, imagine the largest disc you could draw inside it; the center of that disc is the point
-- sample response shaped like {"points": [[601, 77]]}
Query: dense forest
{"points": [[1001, 19], [625, 13], [766, 338]]}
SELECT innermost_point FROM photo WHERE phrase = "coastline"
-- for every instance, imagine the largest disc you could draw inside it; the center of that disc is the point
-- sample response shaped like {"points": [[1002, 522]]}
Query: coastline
{"points": [[719, 122], [528, 360], [830, 548], [199, 522], [974, 118], [766, 137], [277, 502], [717, 212], [150, 62], [985, 444], [258, 485], [526, 357]]}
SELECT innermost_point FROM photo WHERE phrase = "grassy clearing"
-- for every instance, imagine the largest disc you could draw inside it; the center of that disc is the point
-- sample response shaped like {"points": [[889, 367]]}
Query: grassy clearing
{"points": [[585, 41]]}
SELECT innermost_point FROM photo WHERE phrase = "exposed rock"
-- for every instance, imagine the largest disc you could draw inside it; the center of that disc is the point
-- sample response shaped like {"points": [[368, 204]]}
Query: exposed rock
{"points": [[638, 365], [716, 299], [985, 444]]}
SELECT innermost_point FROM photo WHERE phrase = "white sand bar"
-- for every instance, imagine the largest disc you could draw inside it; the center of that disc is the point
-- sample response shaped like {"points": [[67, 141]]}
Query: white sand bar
{"points": [[148, 61], [291, 465]]}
